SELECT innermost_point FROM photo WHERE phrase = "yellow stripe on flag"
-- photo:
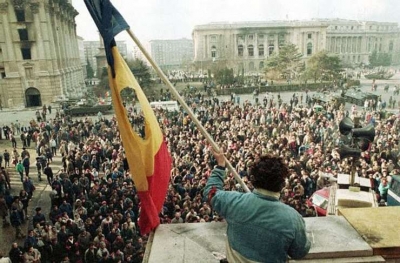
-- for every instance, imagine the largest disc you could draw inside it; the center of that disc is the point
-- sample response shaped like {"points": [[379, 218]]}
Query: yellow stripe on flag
{"points": [[139, 152]]}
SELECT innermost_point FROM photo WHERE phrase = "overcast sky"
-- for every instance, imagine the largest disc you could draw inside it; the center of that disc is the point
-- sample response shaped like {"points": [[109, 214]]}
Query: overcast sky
{"points": [[174, 19]]}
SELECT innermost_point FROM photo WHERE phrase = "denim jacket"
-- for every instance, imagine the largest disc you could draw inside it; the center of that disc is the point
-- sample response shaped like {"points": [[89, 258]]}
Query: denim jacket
{"points": [[260, 227]]}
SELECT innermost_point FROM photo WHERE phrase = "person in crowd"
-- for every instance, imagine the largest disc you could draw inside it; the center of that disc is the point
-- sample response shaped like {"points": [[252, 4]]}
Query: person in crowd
{"points": [[20, 169], [26, 163], [16, 253], [4, 259], [16, 222], [383, 189], [39, 218], [6, 176], [15, 156], [49, 173], [24, 198], [32, 255], [29, 187], [92, 152], [6, 156], [4, 211]]}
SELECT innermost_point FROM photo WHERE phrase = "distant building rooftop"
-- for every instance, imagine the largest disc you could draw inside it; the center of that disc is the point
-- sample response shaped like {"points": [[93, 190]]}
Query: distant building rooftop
{"points": [[285, 23]]}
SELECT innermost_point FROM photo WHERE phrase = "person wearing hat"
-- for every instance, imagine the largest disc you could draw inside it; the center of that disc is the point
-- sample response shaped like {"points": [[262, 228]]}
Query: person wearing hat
{"points": [[272, 230]]}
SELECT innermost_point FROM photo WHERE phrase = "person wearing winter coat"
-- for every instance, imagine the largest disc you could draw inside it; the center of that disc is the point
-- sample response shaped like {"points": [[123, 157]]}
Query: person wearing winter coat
{"points": [[16, 222], [4, 211]]}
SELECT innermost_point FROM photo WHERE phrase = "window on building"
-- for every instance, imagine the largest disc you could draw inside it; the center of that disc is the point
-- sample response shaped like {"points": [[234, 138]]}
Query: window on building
{"points": [[391, 46], [240, 37], [261, 50], [271, 49], [213, 52], [352, 27], [240, 50], [20, 15], [2, 73], [241, 68], [23, 34], [261, 36], [380, 47], [29, 73], [281, 40], [251, 66], [309, 49], [250, 50], [261, 65], [335, 27], [26, 53], [251, 37], [309, 36], [213, 38]]}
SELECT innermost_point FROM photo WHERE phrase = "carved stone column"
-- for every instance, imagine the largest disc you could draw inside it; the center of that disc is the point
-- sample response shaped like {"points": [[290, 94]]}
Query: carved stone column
{"points": [[34, 6]]}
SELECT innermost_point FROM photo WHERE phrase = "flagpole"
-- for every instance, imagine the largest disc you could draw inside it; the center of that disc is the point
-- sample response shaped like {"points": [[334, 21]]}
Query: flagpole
{"points": [[186, 107]]}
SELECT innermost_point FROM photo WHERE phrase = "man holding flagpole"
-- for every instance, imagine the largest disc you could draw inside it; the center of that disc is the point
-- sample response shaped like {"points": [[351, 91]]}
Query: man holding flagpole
{"points": [[260, 227]]}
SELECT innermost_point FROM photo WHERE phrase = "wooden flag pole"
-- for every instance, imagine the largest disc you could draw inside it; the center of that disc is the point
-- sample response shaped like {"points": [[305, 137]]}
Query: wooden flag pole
{"points": [[186, 107]]}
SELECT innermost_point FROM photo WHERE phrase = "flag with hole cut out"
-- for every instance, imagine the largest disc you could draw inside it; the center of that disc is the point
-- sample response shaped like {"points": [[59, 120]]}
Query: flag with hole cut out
{"points": [[148, 157]]}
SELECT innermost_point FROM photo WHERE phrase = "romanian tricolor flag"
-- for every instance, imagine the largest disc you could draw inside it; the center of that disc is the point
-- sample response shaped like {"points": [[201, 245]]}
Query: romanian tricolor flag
{"points": [[148, 158]]}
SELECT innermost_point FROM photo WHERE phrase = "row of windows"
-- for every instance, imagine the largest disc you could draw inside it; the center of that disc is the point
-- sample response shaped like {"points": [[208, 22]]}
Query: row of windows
{"points": [[378, 28], [250, 50], [28, 73], [281, 37]]}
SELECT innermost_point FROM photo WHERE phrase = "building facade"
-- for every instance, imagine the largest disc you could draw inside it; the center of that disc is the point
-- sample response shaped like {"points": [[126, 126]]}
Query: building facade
{"points": [[354, 41], [245, 46], [82, 57], [94, 52], [39, 54], [172, 54]]}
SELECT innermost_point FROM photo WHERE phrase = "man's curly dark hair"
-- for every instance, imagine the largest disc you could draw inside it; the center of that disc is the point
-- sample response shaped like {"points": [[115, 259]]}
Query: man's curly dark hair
{"points": [[269, 173]]}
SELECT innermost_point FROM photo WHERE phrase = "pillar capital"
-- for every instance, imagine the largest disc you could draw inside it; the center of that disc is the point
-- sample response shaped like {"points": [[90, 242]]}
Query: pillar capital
{"points": [[3, 7], [34, 7], [18, 4]]}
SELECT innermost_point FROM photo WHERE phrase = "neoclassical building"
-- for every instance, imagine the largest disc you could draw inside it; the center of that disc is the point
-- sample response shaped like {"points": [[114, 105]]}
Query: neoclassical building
{"points": [[245, 46], [39, 53]]}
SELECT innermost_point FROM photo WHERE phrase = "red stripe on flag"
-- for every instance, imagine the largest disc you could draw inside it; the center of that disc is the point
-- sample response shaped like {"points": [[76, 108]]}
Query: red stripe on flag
{"points": [[151, 201]]}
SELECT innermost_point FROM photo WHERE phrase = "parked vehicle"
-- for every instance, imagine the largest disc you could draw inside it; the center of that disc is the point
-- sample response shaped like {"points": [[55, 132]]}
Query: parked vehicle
{"points": [[170, 105], [320, 201], [83, 108]]}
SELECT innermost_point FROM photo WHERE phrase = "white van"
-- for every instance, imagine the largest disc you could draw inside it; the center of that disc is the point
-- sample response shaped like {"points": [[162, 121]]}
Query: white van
{"points": [[170, 105]]}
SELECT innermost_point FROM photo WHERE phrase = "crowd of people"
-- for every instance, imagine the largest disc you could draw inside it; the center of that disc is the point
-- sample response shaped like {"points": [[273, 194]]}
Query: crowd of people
{"points": [[94, 206]]}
